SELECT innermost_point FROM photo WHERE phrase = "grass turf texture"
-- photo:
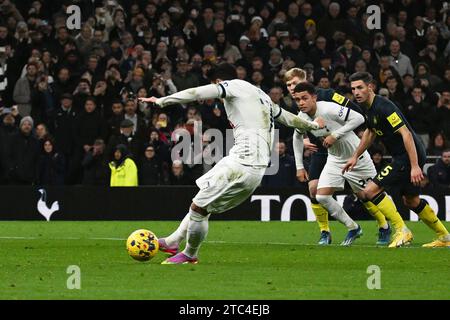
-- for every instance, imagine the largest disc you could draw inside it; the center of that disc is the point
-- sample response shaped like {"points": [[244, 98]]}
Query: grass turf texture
{"points": [[240, 260]]}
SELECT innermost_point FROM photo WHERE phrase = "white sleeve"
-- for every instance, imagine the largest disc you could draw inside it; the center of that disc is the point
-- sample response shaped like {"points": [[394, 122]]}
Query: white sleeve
{"points": [[297, 143], [291, 120], [209, 91], [349, 119]]}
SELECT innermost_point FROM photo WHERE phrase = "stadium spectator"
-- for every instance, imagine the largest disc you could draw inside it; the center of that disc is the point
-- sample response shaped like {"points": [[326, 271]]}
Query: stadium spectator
{"points": [[286, 174], [399, 61], [124, 172], [22, 152], [41, 132], [178, 176], [96, 171], [127, 49], [131, 113], [149, 168], [439, 174], [437, 145], [51, 165], [24, 88], [183, 78], [420, 114], [127, 138], [395, 89], [443, 113], [116, 118]]}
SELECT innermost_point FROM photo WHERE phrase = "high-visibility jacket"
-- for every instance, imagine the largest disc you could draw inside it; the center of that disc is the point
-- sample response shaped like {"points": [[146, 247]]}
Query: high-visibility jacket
{"points": [[125, 175]]}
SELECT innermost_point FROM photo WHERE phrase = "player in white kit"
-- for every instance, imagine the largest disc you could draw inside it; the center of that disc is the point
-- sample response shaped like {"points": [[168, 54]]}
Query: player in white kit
{"points": [[234, 178], [341, 141]]}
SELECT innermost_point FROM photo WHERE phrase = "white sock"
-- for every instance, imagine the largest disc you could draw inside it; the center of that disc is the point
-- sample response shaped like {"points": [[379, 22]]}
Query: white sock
{"points": [[196, 233], [336, 211], [180, 234]]}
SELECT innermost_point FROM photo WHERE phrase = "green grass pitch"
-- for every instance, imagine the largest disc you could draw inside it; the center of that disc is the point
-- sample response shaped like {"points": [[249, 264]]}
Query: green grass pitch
{"points": [[240, 260]]}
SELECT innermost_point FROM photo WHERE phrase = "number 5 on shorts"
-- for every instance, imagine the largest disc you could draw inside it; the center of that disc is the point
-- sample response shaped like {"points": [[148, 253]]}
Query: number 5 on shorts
{"points": [[384, 172]]}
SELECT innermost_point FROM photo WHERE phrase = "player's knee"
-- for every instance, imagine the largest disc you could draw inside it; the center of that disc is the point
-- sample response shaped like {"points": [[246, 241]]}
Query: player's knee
{"points": [[324, 199], [411, 202], [199, 210], [362, 196]]}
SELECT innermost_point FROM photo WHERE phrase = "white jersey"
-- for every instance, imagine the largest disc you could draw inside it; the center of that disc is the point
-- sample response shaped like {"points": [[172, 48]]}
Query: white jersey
{"points": [[340, 121], [251, 113]]}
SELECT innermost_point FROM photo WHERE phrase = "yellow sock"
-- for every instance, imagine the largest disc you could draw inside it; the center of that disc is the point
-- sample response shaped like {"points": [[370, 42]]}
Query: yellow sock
{"points": [[428, 216], [376, 214], [389, 210], [321, 216]]}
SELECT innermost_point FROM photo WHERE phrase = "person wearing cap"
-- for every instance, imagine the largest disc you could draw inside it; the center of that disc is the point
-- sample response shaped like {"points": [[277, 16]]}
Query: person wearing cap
{"points": [[275, 60], [183, 78], [294, 51], [127, 138], [124, 172], [22, 154], [325, 70]]}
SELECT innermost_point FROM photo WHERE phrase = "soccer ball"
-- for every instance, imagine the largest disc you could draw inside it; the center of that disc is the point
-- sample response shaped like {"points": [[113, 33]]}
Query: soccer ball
{"points": [[142, 245]]}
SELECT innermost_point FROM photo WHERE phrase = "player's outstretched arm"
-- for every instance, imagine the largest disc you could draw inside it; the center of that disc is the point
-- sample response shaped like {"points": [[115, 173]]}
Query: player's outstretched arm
{"points": [[350, 121], [209, 91], [291, 120], [366, 140]]}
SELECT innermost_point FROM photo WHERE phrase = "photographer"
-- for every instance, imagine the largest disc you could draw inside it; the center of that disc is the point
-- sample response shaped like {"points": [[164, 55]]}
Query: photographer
{"points": [[81, 93], [192, 36]]}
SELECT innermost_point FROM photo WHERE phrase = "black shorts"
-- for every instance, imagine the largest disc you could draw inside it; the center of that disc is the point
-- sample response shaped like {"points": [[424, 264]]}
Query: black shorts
{"points": [[316, 165], [397, 175]]}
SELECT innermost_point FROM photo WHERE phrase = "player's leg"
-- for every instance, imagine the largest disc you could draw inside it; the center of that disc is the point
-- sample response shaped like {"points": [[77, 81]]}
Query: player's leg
{"points": [[171, 243], [331, 179], [222, 188], [321, 214], [429, 217], [317, 164], [196, 231], [375, 193], [358, 178]]}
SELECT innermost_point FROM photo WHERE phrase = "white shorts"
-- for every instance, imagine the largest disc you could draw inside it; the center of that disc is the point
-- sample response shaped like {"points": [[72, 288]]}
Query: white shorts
{"points": [[362, 173], [226, 185]]}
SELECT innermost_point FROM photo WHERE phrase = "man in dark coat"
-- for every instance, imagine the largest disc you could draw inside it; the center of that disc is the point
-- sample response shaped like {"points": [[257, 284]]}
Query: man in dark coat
{"points": [[439, 174], [22, 154]]}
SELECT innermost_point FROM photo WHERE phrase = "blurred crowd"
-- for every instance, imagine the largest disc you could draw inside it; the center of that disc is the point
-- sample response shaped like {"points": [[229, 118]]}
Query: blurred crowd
{"points": [[69, 110]]}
